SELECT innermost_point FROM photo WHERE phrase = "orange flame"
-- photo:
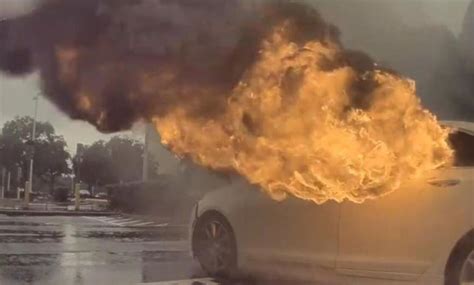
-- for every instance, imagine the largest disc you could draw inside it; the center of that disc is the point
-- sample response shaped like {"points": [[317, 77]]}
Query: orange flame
{"points": [[307, 140]]}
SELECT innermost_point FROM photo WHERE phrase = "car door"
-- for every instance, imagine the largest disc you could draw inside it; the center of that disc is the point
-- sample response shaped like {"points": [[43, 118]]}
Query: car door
{"points": [[292, 231], [401, 235], [312, 232]]}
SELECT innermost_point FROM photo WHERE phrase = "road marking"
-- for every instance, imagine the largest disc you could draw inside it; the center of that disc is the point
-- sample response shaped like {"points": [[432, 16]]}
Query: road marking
{"points": [[144, 224], [123, 220], [121, 223], [105, 219], [130, 222], [100, 219], [202, 281], [127, 222], [161, 225]]}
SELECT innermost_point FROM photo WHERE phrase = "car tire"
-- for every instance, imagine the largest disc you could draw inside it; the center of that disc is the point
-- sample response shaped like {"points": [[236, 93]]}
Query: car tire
{"points": [[460, 267], [215, 247]]}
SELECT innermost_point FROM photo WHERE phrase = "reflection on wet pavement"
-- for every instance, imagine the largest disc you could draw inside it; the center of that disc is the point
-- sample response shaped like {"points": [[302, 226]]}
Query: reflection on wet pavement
{"points": [[29, 236], [79, 250], [133, 235], [76, 250]]}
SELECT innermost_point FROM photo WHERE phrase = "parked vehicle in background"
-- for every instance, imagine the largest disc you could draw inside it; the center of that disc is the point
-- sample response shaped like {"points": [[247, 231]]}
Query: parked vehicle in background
{"points": [[101, 195], [423, 232], [85, 193]]}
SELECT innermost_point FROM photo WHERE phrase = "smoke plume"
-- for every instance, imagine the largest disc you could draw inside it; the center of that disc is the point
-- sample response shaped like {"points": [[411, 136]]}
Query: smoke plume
{"points": [[97, 59], [112, 63], [467, 36], [265, 90]]}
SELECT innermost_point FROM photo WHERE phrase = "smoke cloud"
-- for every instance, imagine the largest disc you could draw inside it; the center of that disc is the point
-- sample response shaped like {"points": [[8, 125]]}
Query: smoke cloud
{"points": [[419, 39], [97, 58], [112, 62], [453, 80], [467, 40], [266, 90]]}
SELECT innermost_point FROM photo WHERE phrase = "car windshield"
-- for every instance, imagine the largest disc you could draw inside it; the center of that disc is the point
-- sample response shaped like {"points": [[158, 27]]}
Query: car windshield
{"points": [[462, 143], [237, 142]]}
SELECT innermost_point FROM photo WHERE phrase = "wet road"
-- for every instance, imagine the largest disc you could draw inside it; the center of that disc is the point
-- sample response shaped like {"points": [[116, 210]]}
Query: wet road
{"points": [[98, 250], [81, 250]]}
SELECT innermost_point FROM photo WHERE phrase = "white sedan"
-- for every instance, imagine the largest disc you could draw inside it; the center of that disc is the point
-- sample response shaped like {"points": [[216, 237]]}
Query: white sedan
{"points": [[422, 234]]}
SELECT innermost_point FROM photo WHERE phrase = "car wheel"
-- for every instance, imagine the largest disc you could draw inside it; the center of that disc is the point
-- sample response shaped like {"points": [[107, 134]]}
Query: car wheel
{"points": [[461, 271], [215, 246], [467, 270]]}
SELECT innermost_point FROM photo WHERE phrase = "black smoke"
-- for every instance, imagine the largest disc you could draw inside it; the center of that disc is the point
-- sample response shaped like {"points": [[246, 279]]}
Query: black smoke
{"points": [[467, 41], [453, 80], [413, 38], [113, 62]]}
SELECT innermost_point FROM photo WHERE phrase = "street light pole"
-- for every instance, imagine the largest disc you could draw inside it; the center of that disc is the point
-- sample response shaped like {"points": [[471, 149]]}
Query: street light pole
{"points": [[29, 189], [145, 153], [3, 183]]}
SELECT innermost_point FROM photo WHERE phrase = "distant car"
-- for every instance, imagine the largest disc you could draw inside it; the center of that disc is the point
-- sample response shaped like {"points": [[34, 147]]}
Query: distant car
{"points": [[33, 195], [421, 233], [101, 195], [85, 194]]}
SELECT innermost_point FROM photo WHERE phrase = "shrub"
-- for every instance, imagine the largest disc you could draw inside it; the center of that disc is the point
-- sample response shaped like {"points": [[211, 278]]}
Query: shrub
{"points": [[61, 194]]}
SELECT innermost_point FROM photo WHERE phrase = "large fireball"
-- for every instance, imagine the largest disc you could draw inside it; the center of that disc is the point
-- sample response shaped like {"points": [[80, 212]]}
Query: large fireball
{"points": [[267, 91], [299, 123]]}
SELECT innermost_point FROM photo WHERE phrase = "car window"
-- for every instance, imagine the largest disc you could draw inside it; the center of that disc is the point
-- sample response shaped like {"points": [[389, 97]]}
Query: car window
{"points": [[463, 145]]}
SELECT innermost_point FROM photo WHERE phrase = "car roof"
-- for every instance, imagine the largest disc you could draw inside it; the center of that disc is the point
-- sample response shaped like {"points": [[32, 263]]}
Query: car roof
{"points": [[464, 126]]}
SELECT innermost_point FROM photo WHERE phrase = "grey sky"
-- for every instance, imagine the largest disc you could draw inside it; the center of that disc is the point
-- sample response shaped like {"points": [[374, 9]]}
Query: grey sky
{"points": [[16, 94], [16, 99], [11, 8]]}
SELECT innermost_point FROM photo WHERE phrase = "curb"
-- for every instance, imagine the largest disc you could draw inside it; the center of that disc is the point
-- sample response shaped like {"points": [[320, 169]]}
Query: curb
{"points": [[53, 213]]}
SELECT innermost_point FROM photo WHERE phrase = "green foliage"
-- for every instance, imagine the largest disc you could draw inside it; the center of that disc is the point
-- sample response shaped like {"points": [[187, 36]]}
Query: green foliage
{"points": [[118, 160], [48, 150], [61, 194], [127, 158], [95, 165], [51, 159]]}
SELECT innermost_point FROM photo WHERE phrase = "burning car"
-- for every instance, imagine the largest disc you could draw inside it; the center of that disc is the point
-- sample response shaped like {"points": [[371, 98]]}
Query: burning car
{"points": [[423, 232]]}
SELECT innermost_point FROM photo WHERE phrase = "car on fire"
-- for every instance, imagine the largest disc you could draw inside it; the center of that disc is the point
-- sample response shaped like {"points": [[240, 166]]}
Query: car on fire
{"points": [[422, 233]]}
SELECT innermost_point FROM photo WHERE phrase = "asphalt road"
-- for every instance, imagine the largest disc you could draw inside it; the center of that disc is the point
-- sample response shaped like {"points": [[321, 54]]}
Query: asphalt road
{"points": [[97, 250], [83, 250]]}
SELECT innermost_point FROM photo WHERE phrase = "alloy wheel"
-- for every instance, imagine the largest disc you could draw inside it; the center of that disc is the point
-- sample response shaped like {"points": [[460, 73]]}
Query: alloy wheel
{"points": [[467, 271], [215, 248]]}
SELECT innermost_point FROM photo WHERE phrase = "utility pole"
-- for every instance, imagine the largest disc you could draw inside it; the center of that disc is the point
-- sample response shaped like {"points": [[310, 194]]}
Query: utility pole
{"points": [[1, 132], [8, 181], [29, 187], [77, 177], [145, 153], [2, 105], [3, 183]]}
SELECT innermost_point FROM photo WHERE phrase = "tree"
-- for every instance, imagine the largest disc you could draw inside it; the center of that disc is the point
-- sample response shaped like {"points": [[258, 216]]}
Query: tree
{"points": [[48, 150], [51, 159], [118, 160], [127, 158], [95, 165]]}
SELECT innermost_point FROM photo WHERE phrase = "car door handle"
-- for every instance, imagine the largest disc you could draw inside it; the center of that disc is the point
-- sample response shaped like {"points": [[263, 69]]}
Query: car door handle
{"points": [[444, 182]]}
